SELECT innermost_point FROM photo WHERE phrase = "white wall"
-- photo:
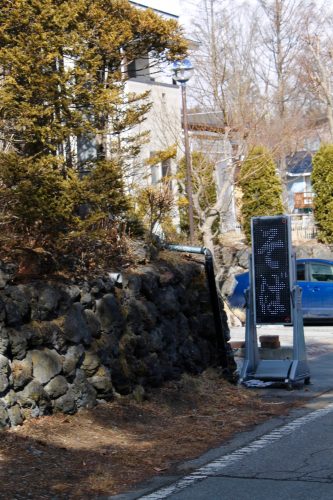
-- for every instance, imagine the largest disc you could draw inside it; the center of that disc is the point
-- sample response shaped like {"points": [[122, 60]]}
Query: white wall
{"points": [[163, 120]]}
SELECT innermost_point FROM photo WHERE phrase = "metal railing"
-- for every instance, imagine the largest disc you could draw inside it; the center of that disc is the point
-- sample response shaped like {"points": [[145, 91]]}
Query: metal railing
{"points": [[303, 228]]}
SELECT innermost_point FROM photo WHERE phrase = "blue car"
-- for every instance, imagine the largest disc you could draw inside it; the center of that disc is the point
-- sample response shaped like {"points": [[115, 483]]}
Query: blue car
{"points": [[314, 276]]}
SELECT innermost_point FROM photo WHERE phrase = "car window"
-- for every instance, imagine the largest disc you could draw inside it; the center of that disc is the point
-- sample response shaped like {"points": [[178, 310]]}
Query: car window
{"points": [[300, 271], [321, 272]]}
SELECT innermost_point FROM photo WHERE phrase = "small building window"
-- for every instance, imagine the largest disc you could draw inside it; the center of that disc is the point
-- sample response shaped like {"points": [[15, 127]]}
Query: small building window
{"points": [[166, 168]]}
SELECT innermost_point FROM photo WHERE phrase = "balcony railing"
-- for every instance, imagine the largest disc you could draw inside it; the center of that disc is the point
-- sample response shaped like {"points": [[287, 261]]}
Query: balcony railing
{"points": [[303, 200], [303, 228]]}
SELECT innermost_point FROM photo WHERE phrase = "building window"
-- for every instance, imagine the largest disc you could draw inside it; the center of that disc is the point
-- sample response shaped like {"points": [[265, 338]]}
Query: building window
{"points": [[139, 67], [166, 168]]}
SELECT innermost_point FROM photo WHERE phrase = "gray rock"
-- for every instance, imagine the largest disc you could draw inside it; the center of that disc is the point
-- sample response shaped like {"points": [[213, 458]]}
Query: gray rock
{"points": [[4, 278], [101, 381], [84, 392], [4, 383], [243, 258], [56, 387], [7, 273], [21, 372], [15, 415], [17, 305], [18, 342], [228, 255], [75, 327], [108, 283], [149, 285], [72, 292], [69, 294], [66, 403], [87, 299], [109, 313], [4, 373], [10, 399], [155, 339], [228, 286], [90, 363], [132, 283], [53, 335], [2, 310], [4, 340], [93, 323], [168, 277], [4, 418], [34, 332], [72, 359], [141, 315], [97, 286], [167, 301], [35, 398], [46, 364], [48, 300]]}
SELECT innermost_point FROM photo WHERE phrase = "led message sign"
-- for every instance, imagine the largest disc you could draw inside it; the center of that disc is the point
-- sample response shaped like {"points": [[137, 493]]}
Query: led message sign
{"points": [[271, 269]]}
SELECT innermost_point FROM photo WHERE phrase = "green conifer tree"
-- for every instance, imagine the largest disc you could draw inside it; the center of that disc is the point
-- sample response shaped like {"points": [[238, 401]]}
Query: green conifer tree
{"points": [[261, 187], [322, 181], [61, 80]]}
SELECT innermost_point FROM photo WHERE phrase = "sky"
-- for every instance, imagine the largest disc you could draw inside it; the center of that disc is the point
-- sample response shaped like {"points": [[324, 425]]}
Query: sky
{"points": [[186, 8]]}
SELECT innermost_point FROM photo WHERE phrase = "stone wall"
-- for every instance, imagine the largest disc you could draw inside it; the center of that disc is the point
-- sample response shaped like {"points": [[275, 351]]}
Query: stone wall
{"points": [[64, 346]]}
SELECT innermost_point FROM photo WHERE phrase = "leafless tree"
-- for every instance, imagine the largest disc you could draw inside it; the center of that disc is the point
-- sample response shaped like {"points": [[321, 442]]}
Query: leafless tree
{"points": [[317, 62]]}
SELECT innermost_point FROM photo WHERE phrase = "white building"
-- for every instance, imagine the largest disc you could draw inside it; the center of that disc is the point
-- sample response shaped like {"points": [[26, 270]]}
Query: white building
{"points": [[163, 121]]}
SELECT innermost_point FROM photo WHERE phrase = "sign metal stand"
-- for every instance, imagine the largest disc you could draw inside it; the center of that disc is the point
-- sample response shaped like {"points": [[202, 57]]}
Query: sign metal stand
{"points": [[273, 298]]}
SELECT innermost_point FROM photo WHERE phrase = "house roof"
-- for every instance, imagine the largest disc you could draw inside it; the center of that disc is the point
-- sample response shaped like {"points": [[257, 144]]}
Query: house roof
{"points": [[300, 163], [212, 121]]}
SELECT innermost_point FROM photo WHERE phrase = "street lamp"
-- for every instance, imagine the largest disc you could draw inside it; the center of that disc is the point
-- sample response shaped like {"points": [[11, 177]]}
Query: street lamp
{"points": [[183, 71]]}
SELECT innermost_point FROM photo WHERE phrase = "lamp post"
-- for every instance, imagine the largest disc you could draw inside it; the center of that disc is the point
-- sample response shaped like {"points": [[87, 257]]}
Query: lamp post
{"points": [[182, 71]]}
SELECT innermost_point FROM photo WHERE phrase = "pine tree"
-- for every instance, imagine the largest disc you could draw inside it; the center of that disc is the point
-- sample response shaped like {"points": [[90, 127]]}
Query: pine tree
{"points": [[261, 187], [61, 79], [322, 181]]}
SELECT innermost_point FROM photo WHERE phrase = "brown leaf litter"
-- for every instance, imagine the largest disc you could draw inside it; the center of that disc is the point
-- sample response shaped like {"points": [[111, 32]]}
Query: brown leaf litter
{"points": [[109, 449]]}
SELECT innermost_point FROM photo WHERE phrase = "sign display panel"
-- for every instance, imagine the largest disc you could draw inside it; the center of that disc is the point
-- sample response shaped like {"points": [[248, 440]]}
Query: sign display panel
{"points": [[271, 269]]}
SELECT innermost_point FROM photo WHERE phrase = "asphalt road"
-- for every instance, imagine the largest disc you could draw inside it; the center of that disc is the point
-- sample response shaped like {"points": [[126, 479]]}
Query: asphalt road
{"points": [[294, 461], [285, 458]]}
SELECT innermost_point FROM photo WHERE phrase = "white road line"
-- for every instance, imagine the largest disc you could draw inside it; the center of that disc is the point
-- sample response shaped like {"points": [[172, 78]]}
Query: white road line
{"points": [[215, 467]]}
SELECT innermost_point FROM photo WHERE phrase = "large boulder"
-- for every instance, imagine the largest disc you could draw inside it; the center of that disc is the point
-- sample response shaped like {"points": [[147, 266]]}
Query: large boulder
{"points": [[72, 359], [4, 417], [21, 372], [109, 314], [84, 392], [46, 364], [76, 329], [17, 305], [90, 363], [34, 400], [56, 387], [18, 342], [4, 373], [167, 301], [47, 303], [101, 381], [4, 340], [7, 273]]}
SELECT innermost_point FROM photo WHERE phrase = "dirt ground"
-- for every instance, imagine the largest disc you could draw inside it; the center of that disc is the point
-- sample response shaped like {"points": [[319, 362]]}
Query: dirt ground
{"points": [[109, 449]]}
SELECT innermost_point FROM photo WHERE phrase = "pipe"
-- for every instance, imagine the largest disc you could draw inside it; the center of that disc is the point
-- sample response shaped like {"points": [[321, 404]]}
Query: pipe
{"points": [[226, 358]]}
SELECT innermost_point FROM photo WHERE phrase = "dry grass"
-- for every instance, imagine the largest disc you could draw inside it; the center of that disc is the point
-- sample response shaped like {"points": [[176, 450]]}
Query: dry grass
{"points": [[109, 449]]}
